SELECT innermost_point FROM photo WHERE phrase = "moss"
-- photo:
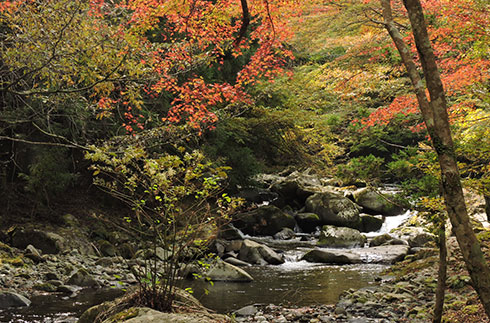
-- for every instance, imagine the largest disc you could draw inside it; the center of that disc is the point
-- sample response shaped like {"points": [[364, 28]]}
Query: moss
{"points": [[470, 309], [5, 247], [124, 315], [483, 236], [46, 287]]}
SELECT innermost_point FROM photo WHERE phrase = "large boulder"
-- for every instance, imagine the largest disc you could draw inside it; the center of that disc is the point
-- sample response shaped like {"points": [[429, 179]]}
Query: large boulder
{"points": [[266, 220], [332, 256], [297, 187], [256, 253], [11, 299], [335, 209], [229, 232], [375, 202], [375, 255], [371, 223], [308, 222], [47, 242], [223, 271], [340, 237]]}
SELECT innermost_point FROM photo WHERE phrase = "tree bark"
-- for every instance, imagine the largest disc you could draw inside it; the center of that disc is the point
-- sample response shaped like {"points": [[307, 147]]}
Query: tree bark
{"points": [[441, 274], [436, 119]]}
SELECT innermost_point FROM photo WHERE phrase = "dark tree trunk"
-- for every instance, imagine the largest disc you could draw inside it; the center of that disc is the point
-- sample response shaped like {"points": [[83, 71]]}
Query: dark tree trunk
{"points": [[435, 116], [441, 274]]}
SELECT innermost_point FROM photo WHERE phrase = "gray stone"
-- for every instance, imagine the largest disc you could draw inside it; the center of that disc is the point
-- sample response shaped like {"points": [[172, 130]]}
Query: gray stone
{"points": [[236, 262], [266, 220], [47, 242], [379, 240], [223, 271], [229, 232], [376, 202], [106, 248], [284, 234], [256, 253], [308, 222], [335, 209], [10, 299], [82, 278], [32, 253], [246, 311], [375, 255], [67, 289], [340, 237], [332, 256]]}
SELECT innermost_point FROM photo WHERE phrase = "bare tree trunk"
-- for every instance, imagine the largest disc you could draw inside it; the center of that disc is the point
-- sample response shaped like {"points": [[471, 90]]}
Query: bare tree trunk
{"points": [[436, 119], [441, 274]]}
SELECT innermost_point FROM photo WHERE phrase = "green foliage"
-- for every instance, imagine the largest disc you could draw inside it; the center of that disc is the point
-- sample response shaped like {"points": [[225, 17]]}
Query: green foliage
{"points": [[50, 172], [366, 168], [177, 202]]}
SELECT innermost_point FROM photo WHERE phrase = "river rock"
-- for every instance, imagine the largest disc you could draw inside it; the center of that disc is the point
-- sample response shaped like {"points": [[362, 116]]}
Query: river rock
{"points": [[82, 278], [375, 202], [11, 299], [375, 255], [340, 237], [257, 195], [32, 253], [332, 256], [106, 248], [308, 222], [229, 232], [415, 236], [256, 253], [334, 209], [224, 271], [47, 242], [371, 223], [297, 187], [379, 240], [284, 234], [266, 220], [236, 262]]}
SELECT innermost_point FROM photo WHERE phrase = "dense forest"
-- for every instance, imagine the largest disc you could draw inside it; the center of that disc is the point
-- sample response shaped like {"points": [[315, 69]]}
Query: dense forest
{"points": [[159, 132]]}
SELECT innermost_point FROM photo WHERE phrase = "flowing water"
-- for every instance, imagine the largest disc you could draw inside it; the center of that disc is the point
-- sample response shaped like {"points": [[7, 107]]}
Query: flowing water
{"points": [[293, 283]]}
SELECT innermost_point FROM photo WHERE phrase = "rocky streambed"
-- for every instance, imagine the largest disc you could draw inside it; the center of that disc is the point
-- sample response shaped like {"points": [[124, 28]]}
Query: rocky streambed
{"points": [[301, 238]]}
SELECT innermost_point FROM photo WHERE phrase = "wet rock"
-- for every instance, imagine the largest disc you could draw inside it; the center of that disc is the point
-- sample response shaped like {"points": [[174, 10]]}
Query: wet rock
{"points": [[371, 223], [11, 299], [229, 232], [334, 209], [266, 220], [284, 234], [340, 237], [223, 271], [308, 222], [45, 287], [415, 236], [257, 195], [375, 202], [376, 255], [379, 240], [256, 253], [236, 262], [332, 256], [47, 242], [82, 278]]}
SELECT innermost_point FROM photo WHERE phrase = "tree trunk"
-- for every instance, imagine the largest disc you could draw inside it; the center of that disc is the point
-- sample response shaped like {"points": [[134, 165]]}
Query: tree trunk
{"points": [[441, 274], [436, 119]]}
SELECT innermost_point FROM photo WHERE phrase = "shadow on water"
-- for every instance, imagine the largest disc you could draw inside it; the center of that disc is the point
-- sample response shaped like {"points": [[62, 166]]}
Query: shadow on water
{"points": [[301, 285], [58, 308]]}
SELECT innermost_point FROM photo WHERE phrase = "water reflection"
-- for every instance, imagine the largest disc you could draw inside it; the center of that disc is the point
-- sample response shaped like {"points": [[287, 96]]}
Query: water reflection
{"points": [[312, 284]]}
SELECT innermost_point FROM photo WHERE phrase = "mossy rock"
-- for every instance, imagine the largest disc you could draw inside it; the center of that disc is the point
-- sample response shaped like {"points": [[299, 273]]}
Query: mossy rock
{"points": [[45, 287], [471, 309]]}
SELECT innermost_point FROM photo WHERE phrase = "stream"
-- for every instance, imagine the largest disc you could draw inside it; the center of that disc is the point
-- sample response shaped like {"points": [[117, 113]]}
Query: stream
{"points": [[295, 282]]}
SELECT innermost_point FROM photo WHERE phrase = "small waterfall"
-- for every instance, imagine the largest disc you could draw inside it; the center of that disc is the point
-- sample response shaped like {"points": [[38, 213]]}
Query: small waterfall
{"points": [[392, 222]]}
